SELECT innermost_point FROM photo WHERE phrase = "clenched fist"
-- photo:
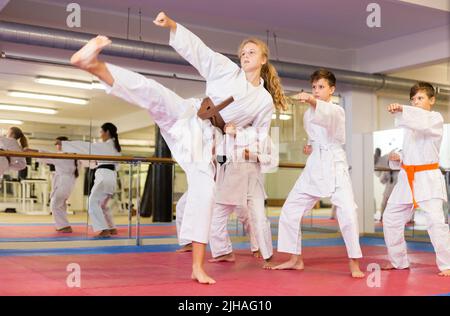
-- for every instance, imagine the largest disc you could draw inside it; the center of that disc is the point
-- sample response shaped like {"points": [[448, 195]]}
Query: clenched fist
{"points": [[395, 108], [305, 97], [307, 149], [394, 156], [230, 129], [163, 20]]}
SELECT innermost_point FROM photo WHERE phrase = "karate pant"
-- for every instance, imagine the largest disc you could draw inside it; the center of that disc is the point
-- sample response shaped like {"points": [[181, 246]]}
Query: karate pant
{"points": [[104, 186], [253, 217], [255, 223], [4, 166], [298, 202], [181, 205], [389, 187], [166, 108], [394, 220], [242, 214], [62, 186]]}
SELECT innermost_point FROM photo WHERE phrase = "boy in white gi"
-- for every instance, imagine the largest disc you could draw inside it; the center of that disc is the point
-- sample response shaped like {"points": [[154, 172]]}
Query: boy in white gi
{"points": [[420, 181], [325, 175]]}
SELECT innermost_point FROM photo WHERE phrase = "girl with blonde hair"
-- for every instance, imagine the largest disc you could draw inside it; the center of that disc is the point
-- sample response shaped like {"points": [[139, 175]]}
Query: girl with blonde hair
{"points": [[192, 128]]}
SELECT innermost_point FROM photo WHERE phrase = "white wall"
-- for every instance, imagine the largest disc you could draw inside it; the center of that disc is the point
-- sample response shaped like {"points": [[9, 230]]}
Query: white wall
{"points": [[360, 108]]}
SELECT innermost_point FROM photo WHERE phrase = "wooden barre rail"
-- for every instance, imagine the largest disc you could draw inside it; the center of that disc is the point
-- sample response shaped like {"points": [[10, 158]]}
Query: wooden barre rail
{"points": [[111, 158], [291, 165], [129, 159]]}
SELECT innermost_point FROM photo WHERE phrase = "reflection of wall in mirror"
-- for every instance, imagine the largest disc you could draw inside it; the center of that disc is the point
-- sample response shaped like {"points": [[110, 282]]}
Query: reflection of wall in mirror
{"points": [[445, 148], [387, 141]]}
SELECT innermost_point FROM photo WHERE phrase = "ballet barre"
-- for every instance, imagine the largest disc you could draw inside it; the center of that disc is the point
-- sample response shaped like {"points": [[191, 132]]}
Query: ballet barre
{"points": [[125, 159], [290, 165], [132, 161]]}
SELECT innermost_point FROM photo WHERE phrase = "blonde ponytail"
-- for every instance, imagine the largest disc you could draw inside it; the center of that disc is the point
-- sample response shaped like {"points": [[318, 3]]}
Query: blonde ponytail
{"points": [[272, 81]]}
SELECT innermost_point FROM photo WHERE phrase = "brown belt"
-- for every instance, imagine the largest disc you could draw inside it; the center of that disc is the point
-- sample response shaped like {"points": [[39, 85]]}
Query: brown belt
{"points": [[210, 111]]}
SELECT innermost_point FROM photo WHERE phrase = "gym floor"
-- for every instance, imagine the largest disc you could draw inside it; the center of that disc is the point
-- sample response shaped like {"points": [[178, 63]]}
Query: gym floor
{"points": [[37, 266]]}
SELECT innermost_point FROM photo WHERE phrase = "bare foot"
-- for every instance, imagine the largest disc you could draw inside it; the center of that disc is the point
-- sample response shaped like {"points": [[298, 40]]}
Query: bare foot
{"points": [[257, 254], [445, 273], [185, 248], [268, 264], [86, 57], [199, 275], [354, 268], [66, 230], [113, 231], [388, 266], [104, 234], [225, 258], [292, 264]]}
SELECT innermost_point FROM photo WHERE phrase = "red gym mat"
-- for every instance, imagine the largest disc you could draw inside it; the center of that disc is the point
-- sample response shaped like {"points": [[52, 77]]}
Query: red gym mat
{"points": [[326, 273], [48, 231]]}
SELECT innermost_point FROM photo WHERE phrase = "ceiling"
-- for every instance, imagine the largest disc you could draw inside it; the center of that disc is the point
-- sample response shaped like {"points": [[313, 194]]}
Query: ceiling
{"points": [[339, 25], [438, 72], [435, 4]]}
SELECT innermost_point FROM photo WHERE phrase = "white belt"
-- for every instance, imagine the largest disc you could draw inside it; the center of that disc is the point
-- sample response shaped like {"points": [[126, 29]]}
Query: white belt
{"points": [[330, 146], [326, 157]]}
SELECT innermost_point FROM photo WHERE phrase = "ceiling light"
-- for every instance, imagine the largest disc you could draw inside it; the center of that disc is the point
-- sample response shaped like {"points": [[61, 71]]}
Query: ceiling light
{"points": [[69, 83], [48, 97], [98, 85], [285, 117], [11, 122], [281, 116], [21, 108]]}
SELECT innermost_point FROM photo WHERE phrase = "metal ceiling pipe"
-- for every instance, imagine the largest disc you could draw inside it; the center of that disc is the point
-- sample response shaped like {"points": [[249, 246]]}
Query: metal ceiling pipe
{"points": [[70, 40]]}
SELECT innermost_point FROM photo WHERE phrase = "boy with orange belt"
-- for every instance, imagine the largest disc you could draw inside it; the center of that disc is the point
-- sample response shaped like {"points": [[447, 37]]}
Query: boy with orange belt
{"points": [[420, 182]]}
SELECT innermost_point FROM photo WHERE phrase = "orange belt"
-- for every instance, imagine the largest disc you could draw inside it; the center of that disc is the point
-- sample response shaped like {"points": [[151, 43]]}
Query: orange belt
{"points": [[410, 172]]}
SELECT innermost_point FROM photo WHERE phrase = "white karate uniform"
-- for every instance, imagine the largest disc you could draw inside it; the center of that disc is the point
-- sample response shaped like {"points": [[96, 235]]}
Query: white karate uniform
{"points": [[105, 182], [422, 140], [325, 175], [250, 212], [4, 166], [389, 179], [189, 138], [63, 182], [240, 188], [240, 212], [13, 163], [180, 207]]}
